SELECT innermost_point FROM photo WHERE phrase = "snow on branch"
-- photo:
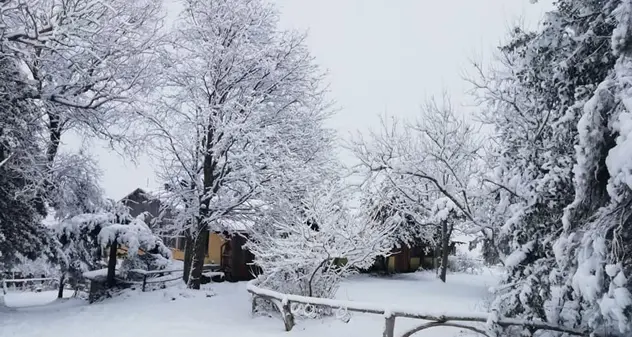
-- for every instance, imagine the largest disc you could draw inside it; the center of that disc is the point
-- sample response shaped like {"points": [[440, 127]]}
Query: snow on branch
{"points": [[135, 236], [436, 156], [306, 248], [84, 236], [82, 53]]}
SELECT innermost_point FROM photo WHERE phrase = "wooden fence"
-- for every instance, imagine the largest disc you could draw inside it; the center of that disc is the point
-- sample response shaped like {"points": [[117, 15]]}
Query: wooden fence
{"points": [[164, 276], [283, 303], [26, 282]]}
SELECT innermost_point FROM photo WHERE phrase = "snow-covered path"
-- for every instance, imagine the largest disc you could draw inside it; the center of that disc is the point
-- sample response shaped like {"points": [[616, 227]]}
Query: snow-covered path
{"points": [[228, 312]]}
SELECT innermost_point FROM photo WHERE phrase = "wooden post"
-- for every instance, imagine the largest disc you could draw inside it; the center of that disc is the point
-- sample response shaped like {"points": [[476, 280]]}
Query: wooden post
{"points": [[111, 276], [60, 290], [254, 304], [389, 326], [288, 318], [144, 281], [445, 250]]}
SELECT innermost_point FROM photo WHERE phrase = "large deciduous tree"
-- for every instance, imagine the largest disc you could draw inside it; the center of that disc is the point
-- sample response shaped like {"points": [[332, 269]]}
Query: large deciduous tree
{"points": [[242, 108], [431, 165], [77, 65]]}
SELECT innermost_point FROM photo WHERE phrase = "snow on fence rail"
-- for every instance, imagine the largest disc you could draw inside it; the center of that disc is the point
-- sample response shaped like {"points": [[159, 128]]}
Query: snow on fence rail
{"points": [[457, 320]]}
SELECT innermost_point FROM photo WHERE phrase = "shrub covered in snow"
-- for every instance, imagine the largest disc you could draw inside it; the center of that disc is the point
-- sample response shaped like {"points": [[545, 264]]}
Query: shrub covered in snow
{"points": [[465, 263], [308, 249], [85, 236]]}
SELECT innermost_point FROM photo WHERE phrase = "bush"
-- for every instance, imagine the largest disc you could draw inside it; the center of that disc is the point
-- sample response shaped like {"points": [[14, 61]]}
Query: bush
{"points": [[464, 263]]}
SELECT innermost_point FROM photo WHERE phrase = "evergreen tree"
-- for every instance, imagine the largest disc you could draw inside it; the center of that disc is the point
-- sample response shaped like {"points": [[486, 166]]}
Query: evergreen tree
{"points": [[21, 208], [560, 214]]}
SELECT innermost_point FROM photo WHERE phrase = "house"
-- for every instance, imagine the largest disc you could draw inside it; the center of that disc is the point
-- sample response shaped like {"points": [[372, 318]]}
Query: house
{"points": [[408, 258], [223, 248], [139, 202]]}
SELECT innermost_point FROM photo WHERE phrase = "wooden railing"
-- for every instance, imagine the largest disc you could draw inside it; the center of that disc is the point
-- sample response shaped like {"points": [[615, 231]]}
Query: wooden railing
{"points": [[26, 282], [283, 303], [163, 276]]}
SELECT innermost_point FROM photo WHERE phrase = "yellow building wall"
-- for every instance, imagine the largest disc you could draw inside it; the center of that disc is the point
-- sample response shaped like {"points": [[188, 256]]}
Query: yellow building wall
{"points": [[214, 255], [415, 262], [215, 243], [177, 254], [391, 264]]}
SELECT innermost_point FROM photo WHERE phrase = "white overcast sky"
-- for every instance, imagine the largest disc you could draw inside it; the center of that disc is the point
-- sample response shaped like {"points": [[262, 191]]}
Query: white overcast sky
{"points": [[382, 56]]}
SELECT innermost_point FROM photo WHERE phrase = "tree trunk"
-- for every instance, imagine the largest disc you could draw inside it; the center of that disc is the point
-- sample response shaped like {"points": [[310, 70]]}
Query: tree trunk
{"points": [[62, 281], [54, 137], [197, 265], [188, 257], [445, 250], [435, 257], [238, 265], [111, 281]]}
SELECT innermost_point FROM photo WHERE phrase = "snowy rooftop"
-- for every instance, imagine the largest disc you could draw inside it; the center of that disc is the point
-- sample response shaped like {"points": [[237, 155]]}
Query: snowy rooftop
{"points": [[236, 226]]}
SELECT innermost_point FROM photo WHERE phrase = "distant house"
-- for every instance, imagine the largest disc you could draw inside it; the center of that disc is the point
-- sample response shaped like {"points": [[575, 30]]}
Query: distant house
{"points": [[408, 258], [224, 248], [139, 202]]}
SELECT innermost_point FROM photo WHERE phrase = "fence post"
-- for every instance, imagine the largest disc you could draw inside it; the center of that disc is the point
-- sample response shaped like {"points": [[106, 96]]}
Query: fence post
{"points": [[144, 281], [254, 304], [288, 318], [389, 325]]}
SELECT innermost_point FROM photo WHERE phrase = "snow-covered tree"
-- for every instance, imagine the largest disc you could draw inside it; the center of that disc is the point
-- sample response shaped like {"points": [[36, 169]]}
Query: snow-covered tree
{"points": [[424, 162], [84, 64], [21, 159], [241, 108], [78, 65], [84, 237], [77, 186], [82, 54], [384, 206], [561, 211], [309, 252], [446, 216]]}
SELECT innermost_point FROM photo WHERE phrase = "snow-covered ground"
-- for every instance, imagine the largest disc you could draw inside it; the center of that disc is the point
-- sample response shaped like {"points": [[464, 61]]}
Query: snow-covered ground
{"points": [[32, 299], [172, 312]]}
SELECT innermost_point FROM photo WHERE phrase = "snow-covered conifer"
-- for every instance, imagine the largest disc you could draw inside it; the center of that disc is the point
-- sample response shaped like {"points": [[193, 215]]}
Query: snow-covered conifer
{"points": [[560, 215], [85, 236], [21, 160]]}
